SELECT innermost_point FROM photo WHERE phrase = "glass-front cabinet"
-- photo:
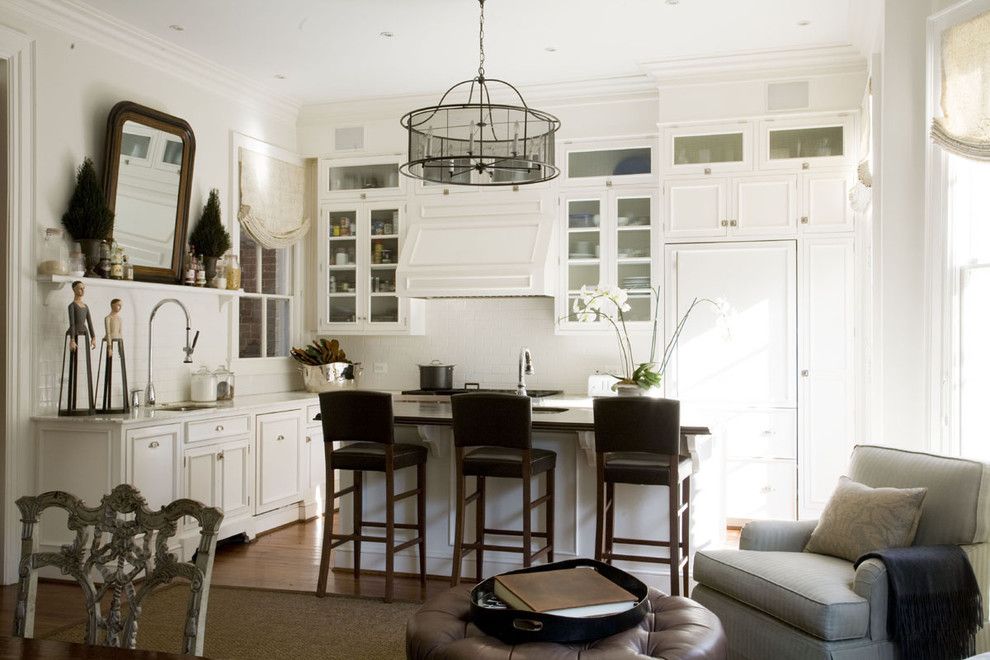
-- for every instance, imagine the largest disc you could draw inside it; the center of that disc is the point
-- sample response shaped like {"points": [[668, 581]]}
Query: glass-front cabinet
{"points": [[708, 149], [373, 177], [806, 144], [358, 254], [609, 239], [613, 163]]}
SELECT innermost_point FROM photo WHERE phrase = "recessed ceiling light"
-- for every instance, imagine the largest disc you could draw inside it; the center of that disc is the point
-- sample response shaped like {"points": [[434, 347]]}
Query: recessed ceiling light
{"points": [[280, 76], [386, 34], [551, 49], [177, 28], [803, 23]]}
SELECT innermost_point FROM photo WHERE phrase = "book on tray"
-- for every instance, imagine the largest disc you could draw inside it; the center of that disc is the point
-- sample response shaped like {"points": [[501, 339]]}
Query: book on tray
{"points": [[573, 592]]}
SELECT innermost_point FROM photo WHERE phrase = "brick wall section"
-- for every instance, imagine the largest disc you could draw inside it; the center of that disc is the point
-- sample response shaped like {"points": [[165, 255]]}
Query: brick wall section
{"points": [[250, 309]]}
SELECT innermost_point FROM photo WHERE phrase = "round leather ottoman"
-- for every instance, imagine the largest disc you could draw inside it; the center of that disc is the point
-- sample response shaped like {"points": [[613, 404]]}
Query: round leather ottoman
{"points": [[675, 628]]}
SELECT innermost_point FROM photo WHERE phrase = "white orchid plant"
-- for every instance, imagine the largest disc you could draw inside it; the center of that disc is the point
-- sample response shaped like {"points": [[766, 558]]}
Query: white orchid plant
{"points": [[611, 305]]}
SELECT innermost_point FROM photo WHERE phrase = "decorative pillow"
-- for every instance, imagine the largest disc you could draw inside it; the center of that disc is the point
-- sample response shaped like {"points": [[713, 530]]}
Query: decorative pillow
{"points": [[859, 519]]}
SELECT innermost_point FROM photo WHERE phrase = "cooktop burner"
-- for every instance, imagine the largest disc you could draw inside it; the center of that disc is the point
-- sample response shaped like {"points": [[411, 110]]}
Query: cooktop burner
{"points": [[537, 394]]}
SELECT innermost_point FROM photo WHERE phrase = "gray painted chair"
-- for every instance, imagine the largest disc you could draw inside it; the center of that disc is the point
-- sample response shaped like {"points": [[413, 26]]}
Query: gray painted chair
{"points": [[120, 540], [776, 601]]}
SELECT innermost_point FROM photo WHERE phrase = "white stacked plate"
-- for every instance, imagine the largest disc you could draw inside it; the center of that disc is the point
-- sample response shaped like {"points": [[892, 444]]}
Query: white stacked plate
{"points": [[639, 282]]}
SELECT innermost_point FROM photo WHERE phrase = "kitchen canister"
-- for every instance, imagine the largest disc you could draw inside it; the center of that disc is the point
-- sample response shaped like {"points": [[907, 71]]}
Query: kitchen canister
{"points": [[203, 386]]}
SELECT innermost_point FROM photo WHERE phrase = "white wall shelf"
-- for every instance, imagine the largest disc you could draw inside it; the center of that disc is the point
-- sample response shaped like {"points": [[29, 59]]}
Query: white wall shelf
{"points": [[52, 283]]}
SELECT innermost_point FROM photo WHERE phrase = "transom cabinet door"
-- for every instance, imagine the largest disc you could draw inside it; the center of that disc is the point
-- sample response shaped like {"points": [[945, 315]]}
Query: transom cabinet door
{"points": [[764, 204], [826, 202], [152, 453], [279, 462], [695, 207]]}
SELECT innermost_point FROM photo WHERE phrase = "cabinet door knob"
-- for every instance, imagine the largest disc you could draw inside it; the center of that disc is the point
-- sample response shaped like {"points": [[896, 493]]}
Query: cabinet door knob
{"points": [[804, 373], [805, 166], [608, 183], [446, 191], [153, 444], [364, 195], [725, 223], [733, 223], [708, 170], [309, 439], [280, 438], [219, 455], [219, 428]]}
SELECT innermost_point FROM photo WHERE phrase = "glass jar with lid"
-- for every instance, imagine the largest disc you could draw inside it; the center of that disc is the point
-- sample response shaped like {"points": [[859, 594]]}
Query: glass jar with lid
{"points": [[77, 262], [52, 259], [232, 270], [225, 383]]}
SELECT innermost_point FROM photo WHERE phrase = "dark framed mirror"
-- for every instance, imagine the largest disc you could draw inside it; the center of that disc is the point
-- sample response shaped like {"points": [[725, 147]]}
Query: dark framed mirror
{"points": [[148, 179]]}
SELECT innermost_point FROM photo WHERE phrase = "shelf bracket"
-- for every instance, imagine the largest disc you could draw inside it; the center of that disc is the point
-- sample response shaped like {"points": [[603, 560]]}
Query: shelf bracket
{"points": [[48, 289], [437, 438], [586, 440]]}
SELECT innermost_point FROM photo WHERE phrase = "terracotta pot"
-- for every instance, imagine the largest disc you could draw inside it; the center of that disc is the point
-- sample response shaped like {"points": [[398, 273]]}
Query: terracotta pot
{"points": [[91, 251]]}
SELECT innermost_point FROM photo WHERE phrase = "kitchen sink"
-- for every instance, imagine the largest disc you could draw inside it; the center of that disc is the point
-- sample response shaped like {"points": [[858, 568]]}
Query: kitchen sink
{"points": [[549, 409], [184, 406]]}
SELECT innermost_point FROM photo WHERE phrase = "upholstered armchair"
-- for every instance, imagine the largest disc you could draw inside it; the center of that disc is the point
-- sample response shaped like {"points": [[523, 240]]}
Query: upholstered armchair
{"points": [[776, 601]]}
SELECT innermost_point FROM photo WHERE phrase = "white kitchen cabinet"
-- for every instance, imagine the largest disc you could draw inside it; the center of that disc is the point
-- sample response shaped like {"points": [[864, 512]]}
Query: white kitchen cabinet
{"points": [[220, 475], [152, 453], [358, 253], [767, 434], [707, 149], [315, 458], [608, 163], [716, 207], [806, 143], [609, 238], [760, 489], [363, 178], [826, 385], [279, 467], [825, 201]]}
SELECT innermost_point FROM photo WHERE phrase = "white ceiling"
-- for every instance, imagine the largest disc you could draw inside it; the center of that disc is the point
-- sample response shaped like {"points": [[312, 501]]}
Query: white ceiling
{"points": [[331, 50]]}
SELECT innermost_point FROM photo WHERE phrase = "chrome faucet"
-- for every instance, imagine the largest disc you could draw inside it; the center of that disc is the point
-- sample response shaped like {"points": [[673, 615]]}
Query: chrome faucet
{"points": [[525, 369], [149, 392]]}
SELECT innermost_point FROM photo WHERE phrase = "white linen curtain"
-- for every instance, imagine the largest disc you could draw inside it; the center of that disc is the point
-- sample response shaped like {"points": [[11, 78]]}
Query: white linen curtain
{"points": [[964, 127], [272, 200]]}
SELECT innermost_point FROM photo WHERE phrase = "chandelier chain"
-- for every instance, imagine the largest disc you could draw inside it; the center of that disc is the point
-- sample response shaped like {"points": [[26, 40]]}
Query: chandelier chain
{"points": [[481, 41]]}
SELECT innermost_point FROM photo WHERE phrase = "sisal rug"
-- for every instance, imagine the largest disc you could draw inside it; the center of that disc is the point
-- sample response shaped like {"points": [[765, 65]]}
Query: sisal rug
{"points": [[254, 623]]}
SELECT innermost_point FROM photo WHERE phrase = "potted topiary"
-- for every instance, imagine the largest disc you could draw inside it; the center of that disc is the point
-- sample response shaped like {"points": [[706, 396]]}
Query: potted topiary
{"points": [[89, 219], [209, 238]]}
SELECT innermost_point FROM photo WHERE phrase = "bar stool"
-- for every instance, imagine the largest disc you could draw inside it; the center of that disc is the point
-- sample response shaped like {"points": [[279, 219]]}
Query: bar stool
{"points": [[499, 425], [637, 441], [364, 419]]}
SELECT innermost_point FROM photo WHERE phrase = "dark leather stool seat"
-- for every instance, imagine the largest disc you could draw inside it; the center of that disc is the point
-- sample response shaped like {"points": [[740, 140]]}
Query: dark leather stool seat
{"points": [[674, 627], [505, 462], [630, 467], [371, 456]]}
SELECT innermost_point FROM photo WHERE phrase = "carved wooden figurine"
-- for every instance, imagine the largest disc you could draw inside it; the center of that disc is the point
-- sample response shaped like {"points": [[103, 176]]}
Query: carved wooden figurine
{"points": [[80, 325], [114, 337]]}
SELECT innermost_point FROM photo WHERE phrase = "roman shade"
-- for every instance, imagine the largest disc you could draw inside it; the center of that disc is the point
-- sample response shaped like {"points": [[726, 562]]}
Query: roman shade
{"points": [[964, 127], [272, 200]]}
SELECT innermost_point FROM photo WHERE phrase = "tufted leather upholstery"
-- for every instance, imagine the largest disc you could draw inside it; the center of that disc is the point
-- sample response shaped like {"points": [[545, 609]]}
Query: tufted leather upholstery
{"points": [[675, 629]]}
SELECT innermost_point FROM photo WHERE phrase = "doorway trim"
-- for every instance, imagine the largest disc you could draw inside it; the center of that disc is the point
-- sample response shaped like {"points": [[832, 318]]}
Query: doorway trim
{"points": [[17, 49]]}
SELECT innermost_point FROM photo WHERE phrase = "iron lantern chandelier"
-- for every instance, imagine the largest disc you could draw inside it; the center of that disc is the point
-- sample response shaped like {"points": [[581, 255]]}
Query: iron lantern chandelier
{"points": [[480, 142]]}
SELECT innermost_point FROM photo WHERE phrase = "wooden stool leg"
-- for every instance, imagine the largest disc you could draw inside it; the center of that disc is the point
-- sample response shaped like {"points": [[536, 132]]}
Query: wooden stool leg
{"points": [[527, 535], [89, 377], [549, 513], [600, 511], [421, 519], [321, 585], [675, 537], [358, 520], [479, 530], [686, 532], [609, 521], [389, 522], [455, 573]]}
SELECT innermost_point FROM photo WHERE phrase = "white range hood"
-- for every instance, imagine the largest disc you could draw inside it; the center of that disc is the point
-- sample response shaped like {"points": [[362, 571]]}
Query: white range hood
{"points": [[460, 248]]}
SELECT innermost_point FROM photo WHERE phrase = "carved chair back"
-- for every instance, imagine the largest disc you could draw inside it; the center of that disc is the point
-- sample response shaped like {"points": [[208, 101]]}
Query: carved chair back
{"points": [[118, 541]]}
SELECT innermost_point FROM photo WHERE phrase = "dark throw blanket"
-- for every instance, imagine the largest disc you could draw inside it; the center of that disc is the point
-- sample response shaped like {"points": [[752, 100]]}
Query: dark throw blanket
{"points": [[935, 608]]}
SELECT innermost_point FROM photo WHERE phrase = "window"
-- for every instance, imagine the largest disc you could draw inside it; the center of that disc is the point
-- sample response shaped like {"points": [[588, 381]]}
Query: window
{"points": [[265, 311]]}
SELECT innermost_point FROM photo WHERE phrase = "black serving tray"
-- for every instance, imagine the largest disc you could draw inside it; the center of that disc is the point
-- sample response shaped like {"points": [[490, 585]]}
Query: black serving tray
{"points": [[520, 626]]}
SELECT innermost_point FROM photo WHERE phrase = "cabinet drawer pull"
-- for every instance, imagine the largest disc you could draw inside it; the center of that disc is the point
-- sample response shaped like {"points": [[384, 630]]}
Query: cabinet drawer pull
{"points": [[733, 223], [153, 444], [725, 223], [804, 219], [309, 439], [280, 438], [219, 428], [708, 170], [805, 166], [219, 455]]}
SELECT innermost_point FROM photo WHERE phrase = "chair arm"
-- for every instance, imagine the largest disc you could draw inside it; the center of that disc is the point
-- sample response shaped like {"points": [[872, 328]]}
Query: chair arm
{"points": [[776, 535], [870, 583]]}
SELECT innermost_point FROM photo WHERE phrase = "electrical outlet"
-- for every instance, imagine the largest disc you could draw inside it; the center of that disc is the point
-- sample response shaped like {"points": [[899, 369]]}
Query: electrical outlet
{"points": [[381, 367]]}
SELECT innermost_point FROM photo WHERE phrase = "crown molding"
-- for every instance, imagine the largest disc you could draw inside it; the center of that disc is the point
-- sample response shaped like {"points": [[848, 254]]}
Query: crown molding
{"points": [[87, 23], [756, 65], [598, 91]]}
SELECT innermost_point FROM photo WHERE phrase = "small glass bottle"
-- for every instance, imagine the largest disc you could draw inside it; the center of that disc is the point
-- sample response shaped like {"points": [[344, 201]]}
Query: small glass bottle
{"points": [[233, 272], [200, 271], [128, 269], [77, 262], [190, 276], [104, 267], [116, 263], [333, 284]]}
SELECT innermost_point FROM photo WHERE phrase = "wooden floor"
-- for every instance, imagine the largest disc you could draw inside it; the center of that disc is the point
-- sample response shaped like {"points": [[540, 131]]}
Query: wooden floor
{"points": [[286, 558]]}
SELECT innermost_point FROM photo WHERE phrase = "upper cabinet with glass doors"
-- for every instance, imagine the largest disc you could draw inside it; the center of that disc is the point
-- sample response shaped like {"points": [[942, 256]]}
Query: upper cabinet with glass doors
{"points": [[807, 143], [609, 238], [612, 163], [708, 149], [371, 177]]}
